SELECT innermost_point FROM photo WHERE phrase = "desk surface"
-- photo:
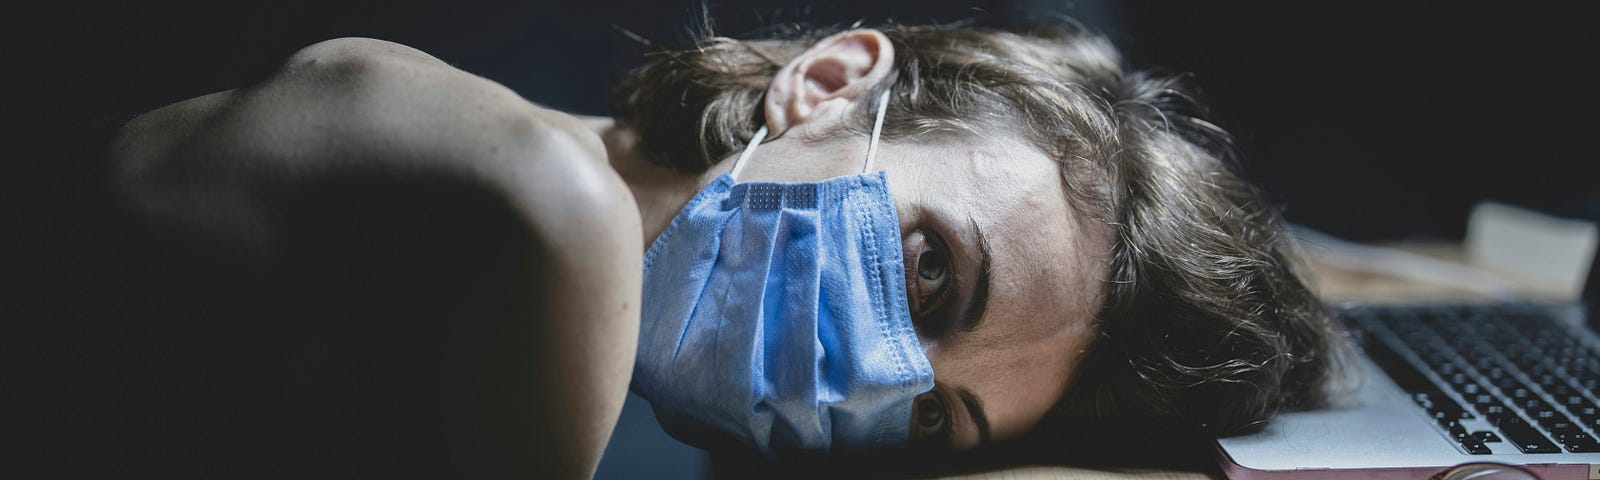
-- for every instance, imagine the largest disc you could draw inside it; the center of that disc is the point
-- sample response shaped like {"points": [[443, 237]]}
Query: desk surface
{"points": [[1075, 473]]}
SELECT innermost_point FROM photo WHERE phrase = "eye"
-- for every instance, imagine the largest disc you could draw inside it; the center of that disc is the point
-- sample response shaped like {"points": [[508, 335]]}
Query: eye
{"points": [[928, 273], [933, 263], [930, 422]]}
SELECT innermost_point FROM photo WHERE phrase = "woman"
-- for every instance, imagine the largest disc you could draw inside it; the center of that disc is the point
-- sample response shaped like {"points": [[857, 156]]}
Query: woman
{"points": [[462, 274]]}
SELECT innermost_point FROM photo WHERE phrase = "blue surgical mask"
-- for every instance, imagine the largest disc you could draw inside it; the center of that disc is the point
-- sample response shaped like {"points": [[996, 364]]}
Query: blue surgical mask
{"points": [[775, 316]]}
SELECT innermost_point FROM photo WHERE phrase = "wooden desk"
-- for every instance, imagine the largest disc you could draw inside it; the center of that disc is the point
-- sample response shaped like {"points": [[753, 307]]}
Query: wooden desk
{"points": [[1336, 284]]}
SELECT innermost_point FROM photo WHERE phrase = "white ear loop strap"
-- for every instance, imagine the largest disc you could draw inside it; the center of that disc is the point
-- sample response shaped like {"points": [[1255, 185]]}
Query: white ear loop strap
{"points": [[877, 128], [872, 145], [749, 148]]}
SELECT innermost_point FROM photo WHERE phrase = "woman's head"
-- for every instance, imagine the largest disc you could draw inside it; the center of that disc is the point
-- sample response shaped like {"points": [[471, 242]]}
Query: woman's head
{"points": [[1078, 243]]}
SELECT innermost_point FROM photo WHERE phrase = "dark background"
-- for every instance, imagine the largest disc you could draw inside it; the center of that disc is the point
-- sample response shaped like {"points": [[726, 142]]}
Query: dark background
{"points": [[1373, 121], [1370, 121]]}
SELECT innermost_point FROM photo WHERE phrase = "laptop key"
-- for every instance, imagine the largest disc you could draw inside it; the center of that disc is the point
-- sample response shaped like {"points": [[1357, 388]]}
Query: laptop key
{"points": [[1449, 411], [1497, 418], [1561, 428], [1486, 436], [1399, 369], [1526, 438], [1425, 398], [1475, 447], [1573, 437], [1506, 383], [1496, 412], [1532, 404], [1456, 431], [1586, 411], [1449, 368], [1423, 391], [1548, 381]]}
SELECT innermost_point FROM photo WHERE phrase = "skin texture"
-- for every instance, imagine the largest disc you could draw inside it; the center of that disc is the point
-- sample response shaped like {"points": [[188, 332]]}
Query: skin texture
{"points": [[1047, 264], [371, 188]]}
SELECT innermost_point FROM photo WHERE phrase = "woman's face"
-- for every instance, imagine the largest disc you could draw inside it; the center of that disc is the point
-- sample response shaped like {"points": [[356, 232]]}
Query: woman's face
{"points": [[1003, 276]]}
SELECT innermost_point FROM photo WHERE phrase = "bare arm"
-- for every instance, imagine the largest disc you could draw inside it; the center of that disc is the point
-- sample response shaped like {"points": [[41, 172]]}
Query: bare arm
{"points": [[371, 183]]}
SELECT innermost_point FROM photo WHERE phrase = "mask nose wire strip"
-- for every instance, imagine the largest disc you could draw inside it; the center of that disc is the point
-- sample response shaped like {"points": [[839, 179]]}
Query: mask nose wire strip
{"points": [[877, 128], [749, 148]]}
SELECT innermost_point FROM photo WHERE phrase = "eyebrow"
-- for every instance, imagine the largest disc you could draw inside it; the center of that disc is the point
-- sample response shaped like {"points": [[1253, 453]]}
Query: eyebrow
{"points": [[978, 305], [975, 410]]}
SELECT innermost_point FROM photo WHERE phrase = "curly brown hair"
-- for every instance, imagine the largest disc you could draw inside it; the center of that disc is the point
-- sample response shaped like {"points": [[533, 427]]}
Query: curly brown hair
{"points": [[1205, 323]]}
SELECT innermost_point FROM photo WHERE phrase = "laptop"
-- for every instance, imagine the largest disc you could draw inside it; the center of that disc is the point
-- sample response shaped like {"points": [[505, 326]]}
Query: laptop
{"points": [[1441, 385]]}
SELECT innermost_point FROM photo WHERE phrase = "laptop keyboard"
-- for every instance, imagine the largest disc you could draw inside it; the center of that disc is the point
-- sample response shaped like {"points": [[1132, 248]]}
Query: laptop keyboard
{"points": [[1489, 374]]}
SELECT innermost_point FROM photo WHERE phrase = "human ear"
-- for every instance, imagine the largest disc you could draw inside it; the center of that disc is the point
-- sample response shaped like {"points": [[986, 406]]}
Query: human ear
{"points": [[841, 67]]}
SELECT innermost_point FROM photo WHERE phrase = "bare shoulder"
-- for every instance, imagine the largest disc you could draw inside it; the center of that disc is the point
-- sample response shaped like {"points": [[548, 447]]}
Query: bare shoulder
{"points": [[365, 106], [390, 171]]}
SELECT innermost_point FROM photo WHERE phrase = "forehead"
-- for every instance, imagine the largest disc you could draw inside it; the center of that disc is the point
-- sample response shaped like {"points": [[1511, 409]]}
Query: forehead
{"points": [[1015, 194], [1046, 268]]}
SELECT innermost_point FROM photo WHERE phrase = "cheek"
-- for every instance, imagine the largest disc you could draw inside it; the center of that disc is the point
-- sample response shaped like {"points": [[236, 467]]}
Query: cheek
{"points": [[1030, 403], [1018, 385]]}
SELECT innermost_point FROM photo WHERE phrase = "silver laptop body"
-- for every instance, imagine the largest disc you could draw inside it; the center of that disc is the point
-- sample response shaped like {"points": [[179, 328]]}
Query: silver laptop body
{"points": [[1443, 385]]}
